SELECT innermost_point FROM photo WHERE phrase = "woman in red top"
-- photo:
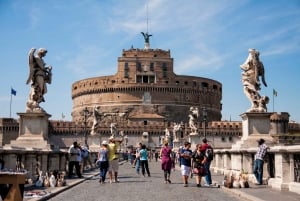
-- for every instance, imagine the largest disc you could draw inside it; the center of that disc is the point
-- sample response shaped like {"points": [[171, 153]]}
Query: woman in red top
{"points": [[166, 161]]}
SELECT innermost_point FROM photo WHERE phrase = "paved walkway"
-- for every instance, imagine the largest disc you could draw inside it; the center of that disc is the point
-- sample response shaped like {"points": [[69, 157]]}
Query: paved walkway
{"points": [[254, 193]]}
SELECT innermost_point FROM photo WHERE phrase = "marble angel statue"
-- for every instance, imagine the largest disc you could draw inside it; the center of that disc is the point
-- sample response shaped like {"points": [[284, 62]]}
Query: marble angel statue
{"points": [[193, 116], [39, 76], [253, 73]]}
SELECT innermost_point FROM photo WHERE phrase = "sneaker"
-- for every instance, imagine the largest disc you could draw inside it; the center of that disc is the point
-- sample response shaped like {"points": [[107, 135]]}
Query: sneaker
{"points": [[198, 185], [185, 185], [207, 185], [117, 181]]}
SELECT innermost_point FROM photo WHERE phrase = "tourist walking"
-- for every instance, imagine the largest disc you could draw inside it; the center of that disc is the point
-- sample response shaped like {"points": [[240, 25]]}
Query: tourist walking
{"points": [[156, 156], [74, 152], [185, 157], [259, 161], [86, 157], [80, 158], [113, 159], [103, 161], [207, 149], [198, 161], [166, 161], [144, 160], [137, 159], [178, 155]]}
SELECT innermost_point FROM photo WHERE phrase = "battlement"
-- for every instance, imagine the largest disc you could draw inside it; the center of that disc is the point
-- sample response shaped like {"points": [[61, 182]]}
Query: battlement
{"points": [[134, 52]]}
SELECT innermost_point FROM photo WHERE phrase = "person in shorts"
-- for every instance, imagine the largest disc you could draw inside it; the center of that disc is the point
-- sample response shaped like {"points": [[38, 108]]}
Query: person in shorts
{"points": [[113, 159], [185, 157]]}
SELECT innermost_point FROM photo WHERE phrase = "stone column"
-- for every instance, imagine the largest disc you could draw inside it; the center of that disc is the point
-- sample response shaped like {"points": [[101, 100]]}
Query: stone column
{"points": [[219, 162], [227, 161], [282, 171], [44, 161], [30, 163], [236, 161], [62, 162], [248, 162]]}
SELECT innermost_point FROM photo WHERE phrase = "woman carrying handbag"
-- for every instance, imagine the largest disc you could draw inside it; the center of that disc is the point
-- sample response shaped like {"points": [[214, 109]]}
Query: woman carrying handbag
{"points": [[198, 161]]}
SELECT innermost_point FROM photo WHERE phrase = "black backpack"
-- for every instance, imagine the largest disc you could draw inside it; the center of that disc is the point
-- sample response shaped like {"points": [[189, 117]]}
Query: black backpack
{"points": [[209, 153]]}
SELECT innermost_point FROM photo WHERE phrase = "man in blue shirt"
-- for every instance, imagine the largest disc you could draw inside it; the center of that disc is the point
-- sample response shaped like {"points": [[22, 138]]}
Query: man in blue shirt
{"points": [[185, 159]]}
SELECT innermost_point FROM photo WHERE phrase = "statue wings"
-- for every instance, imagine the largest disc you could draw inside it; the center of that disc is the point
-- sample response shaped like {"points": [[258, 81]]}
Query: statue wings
{"points": [[31, 65], [146, 36], [262, 74]]}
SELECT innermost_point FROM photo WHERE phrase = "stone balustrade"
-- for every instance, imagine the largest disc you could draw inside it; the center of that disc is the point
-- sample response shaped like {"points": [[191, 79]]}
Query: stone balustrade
{"points": [[281, 167]]}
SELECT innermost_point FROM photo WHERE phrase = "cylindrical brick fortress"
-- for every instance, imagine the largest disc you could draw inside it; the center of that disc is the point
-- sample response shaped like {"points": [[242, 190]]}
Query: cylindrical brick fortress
{"points": [[145, 83]]}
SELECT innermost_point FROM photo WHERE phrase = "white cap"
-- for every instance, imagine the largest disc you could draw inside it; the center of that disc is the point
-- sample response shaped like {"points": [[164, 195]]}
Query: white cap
{"points": [[104, 142]]}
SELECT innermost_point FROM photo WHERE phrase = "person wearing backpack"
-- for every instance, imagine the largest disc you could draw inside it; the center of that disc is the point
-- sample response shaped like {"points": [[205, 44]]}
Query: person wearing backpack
{"points": [[208, 150]]}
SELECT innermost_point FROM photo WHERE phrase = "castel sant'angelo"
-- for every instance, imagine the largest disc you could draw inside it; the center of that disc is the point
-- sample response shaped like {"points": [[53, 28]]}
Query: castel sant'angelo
{"points": [[145, 88]]}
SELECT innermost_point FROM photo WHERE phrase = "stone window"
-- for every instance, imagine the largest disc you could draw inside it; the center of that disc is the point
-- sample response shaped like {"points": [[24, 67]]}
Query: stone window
{"points": [[126, 66], [204, 85], [126, 70], [151, 79], [139, 79], [151, 66], [165, 69], [139, 67], [126, 74]]}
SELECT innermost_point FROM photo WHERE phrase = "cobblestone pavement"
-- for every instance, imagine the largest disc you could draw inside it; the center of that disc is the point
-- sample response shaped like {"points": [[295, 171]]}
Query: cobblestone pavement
{"points": [[138, 188]]}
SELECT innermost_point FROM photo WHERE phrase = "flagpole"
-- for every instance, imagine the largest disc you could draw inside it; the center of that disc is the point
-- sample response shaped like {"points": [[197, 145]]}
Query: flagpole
{"points": [[10, 105]]}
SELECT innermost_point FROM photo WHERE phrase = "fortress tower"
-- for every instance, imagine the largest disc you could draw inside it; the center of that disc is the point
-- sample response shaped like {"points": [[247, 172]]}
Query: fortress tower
{"points": [[145, 88]]}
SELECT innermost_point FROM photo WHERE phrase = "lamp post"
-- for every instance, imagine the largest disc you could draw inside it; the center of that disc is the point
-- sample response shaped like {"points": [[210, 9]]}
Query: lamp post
{"points": [[204, 114], [86, 113]]}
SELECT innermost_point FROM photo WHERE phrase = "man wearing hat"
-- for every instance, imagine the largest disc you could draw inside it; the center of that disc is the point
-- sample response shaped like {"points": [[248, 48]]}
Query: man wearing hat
{"points": [[259, 161], [113, 158]]}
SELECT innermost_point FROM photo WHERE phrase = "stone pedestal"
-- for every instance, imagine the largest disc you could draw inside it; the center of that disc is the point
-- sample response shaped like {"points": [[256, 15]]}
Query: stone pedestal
{"points": [[255, 126], [33, 133], [176, 144], [147, 46], [194, 139]]}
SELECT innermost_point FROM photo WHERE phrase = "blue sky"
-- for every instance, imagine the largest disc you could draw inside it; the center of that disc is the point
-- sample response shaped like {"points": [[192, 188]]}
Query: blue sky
{"points": [[209, 39]]}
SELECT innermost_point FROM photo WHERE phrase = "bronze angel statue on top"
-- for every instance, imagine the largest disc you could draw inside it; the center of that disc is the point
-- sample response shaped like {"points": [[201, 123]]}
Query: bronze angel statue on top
{"points": [[253, 73], [39, 76]]}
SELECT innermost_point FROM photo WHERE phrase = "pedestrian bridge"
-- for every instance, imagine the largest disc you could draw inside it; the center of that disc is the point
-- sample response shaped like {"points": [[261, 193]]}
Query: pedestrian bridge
{"points": [[133, 187]]}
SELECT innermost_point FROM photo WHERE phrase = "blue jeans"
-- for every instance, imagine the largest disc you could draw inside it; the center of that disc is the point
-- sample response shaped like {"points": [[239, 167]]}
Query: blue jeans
{"points": [[208, 174], [258, 170], [103, 169], [137, 166]]}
